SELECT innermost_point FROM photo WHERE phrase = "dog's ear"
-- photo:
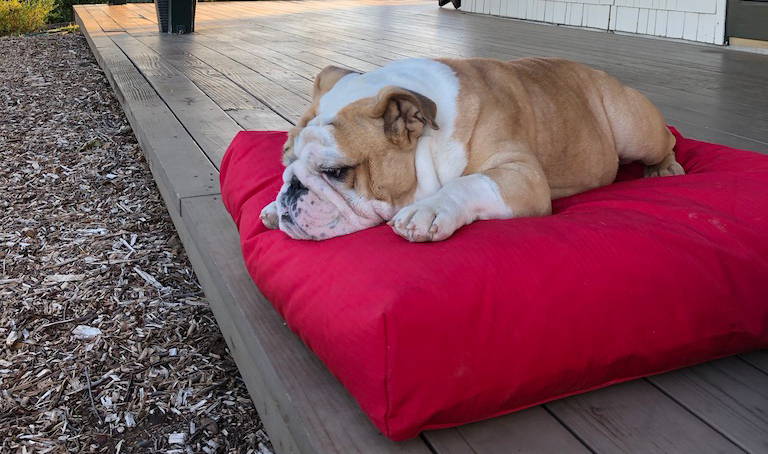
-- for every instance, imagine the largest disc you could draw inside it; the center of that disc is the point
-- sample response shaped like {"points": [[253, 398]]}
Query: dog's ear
{"points": [[324, 81], [405, 114], [327, 78]]}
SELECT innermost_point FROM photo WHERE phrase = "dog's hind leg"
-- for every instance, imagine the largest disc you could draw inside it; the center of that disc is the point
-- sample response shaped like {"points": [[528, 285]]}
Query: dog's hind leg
{"points": [[668, 166], [639, 130], [662, 163]]}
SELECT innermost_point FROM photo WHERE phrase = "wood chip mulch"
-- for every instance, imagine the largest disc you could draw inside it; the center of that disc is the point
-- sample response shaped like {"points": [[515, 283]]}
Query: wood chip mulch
{"points": [[107, 343]]}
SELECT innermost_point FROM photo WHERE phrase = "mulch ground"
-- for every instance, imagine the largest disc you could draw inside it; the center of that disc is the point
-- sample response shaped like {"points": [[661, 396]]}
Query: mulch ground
{"points": [[107, 343]]}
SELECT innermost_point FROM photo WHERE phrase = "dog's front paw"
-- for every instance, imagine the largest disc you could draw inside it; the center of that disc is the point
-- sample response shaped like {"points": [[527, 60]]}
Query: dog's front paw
{"points": [[288, 153], [432, 220], [269, 216]]}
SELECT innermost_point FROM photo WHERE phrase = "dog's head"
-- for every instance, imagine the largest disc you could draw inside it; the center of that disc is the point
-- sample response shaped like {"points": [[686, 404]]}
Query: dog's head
{"points": [[350, 169]]}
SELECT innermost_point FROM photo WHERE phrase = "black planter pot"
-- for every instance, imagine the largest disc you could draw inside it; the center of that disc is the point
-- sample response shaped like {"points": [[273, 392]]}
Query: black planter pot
{"points": [[456, 3], [175, 16]]}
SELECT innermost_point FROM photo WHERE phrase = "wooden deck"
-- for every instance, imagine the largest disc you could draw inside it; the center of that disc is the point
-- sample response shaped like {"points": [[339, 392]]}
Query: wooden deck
{"points": [[250, 65]]}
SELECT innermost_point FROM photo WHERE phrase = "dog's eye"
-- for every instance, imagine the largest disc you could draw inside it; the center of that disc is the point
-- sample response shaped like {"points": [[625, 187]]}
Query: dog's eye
{"points": [[336, 173]]}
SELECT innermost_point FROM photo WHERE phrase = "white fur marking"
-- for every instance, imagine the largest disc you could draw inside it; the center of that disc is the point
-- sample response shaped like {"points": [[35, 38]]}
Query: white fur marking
{"points": [[459, 202]]}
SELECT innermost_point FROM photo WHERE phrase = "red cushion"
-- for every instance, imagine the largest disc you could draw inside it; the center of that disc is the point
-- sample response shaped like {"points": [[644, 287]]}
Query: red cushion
{"points": [[632, 279]]}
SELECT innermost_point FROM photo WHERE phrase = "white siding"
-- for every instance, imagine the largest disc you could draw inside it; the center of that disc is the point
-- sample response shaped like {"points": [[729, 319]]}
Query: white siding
{"points": [[661, 23], [596, 16], [695, 20], [675, 24], [627, 19], [690, 26]]}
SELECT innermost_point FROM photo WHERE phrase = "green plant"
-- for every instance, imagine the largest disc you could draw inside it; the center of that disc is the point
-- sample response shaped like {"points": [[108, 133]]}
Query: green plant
{"points": [[69, 28], [63, 10], [23, 16]]}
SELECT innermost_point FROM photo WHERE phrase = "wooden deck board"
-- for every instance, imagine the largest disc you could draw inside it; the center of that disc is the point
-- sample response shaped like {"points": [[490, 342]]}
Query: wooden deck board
{"points": [[248, 111], [269, 91], [684, 99], [729, 394], [533, 430], [688, 100], [525, 38], [282, 79], [251, 65], [758, 359], [499, 35], [157, 129], [635, 417], [206, 122]]}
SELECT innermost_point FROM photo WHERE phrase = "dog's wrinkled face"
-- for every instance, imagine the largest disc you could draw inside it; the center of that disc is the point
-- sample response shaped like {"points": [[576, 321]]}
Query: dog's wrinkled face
{"points": [[318, 199], [355, 170]]}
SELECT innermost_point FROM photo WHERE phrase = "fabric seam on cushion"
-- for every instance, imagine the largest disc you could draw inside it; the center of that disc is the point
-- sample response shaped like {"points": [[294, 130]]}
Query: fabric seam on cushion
{"points": [[569, 394]]}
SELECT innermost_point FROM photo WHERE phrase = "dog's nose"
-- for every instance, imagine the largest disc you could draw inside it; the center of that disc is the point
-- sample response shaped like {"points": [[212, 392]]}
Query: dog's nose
{"points": [[293, 193], [296, 185]]}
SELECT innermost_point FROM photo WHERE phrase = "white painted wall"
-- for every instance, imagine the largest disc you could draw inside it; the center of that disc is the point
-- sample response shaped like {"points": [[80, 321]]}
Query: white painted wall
{"points": [[694, 20]]}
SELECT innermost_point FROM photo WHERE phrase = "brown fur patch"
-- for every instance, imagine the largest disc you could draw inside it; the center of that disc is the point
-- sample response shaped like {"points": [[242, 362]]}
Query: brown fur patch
{"points": [[324, 82], [384, 170], [548, 128], [379, 134]]}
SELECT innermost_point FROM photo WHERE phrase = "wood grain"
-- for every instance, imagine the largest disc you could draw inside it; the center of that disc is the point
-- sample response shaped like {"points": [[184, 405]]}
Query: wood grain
{"points": [[178, 174], [242, 106], [635, 417], [530, 431], [758, 359], [729, 395]]}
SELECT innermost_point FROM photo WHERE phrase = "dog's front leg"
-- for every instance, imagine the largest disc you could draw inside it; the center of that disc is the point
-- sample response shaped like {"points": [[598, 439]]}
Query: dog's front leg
{"points": [[458, 203], [288, 154], [512, 189]]}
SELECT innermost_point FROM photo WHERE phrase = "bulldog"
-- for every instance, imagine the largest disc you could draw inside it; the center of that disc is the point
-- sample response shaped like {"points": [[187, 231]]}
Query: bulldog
{"points": [[430, 145]]}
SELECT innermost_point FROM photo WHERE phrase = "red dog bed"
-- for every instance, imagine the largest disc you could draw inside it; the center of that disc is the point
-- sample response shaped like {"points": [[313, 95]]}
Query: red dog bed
{"points": [[636, 278]]}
